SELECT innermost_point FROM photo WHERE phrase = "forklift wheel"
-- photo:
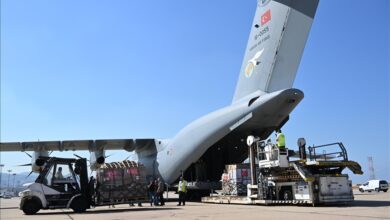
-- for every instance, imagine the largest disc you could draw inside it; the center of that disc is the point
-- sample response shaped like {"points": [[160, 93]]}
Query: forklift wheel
{"points": [[31, 206], [79, 204]]}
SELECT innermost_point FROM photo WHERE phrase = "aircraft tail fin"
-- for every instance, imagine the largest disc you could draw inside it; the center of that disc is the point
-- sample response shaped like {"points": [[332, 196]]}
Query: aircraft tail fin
{"points": [[278, 36]]}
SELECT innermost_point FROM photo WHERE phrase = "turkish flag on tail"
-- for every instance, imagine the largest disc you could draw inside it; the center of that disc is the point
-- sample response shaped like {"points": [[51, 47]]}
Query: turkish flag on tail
{"points": [[266, 17]]}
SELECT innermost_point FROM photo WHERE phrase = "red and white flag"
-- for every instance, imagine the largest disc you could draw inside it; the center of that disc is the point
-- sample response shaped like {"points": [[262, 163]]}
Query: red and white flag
{"points": [[266, 17]]}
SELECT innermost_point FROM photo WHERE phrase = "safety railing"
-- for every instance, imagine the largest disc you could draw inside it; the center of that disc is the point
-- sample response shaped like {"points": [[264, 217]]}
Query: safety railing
{"points": [[269, 151], [337, 155]]}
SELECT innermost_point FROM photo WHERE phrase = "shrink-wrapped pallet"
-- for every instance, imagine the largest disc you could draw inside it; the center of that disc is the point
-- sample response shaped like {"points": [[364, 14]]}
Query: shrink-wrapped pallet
{"points": [[236, 178], [121, 181]]}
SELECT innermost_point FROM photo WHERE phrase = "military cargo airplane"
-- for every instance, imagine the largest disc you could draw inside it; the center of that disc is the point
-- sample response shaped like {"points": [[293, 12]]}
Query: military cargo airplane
{"points": [[262, 102]]}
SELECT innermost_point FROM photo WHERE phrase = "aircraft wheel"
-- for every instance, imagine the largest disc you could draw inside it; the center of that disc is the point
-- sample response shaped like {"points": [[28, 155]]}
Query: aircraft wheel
{"points": [[79, 204], [361, 190], [31, 206]]}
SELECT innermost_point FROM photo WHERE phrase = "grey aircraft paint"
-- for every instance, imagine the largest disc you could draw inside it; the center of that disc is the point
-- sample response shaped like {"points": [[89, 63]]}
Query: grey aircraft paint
{"points": [[263, 100], [275, 46]]}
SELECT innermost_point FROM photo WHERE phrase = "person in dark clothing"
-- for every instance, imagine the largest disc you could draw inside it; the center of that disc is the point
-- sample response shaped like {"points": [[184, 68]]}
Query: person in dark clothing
{"points": [[160, 191], [156, 199], [152, 192], [92, 190]]}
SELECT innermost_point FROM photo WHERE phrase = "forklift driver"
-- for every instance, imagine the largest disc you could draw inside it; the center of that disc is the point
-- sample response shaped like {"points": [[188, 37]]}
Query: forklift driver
{"points": [[63, 184], [59, 175]]}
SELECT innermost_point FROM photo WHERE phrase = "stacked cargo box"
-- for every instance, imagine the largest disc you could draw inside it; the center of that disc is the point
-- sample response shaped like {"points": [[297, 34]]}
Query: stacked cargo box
{"points": [[121, 181], [235, 179]]}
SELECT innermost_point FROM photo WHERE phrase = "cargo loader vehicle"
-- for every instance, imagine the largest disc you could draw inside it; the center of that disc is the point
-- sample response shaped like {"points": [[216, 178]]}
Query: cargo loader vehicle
{"points": [[283, 176]]}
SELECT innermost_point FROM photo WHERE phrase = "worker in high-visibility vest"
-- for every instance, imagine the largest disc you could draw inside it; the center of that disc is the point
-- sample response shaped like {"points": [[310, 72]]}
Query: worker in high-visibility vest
{"points": [[182, 190], [280, 139]]}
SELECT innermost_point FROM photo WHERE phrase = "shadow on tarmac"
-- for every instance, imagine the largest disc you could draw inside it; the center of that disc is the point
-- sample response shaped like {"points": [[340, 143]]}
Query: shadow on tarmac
{"points": [[108, 210], [358, 203], [368, 203], [9, 207], [355, 203]]}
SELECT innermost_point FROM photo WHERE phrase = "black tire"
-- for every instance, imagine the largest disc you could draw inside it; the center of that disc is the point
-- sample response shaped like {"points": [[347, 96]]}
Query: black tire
{"points": [[79, 204], [361, 190], [385, 190], [30, 206]]}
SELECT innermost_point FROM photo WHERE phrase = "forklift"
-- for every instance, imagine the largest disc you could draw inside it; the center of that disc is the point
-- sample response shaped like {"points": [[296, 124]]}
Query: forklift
{"points": [[63, 183]]}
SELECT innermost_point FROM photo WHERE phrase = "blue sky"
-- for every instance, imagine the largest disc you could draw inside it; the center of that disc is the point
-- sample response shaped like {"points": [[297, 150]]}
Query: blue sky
{"points": [[145, 69]]}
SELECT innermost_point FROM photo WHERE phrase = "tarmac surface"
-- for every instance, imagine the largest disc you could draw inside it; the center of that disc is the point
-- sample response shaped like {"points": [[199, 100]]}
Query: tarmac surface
{"points": [[366, 206]]}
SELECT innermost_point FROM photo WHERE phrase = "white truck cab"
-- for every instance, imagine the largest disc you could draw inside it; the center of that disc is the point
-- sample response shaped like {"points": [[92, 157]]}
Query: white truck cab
{"points": [[374, 185]]}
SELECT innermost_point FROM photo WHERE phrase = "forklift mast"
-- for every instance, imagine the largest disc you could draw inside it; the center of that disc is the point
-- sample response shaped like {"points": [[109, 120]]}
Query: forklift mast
{"points": [[82, 171]]}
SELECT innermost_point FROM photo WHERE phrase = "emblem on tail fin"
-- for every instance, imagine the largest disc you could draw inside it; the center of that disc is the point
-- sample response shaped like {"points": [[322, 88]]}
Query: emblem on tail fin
{"points": [[266, 17], [252, 63]]}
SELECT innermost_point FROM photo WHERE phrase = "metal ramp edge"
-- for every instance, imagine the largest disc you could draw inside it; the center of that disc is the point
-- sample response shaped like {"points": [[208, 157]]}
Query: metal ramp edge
{"points": [[303, 172], [355, 167]]}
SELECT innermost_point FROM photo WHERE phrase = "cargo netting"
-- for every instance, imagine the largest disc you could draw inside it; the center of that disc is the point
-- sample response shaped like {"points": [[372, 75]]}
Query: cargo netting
{"points": [[121, 181]]}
